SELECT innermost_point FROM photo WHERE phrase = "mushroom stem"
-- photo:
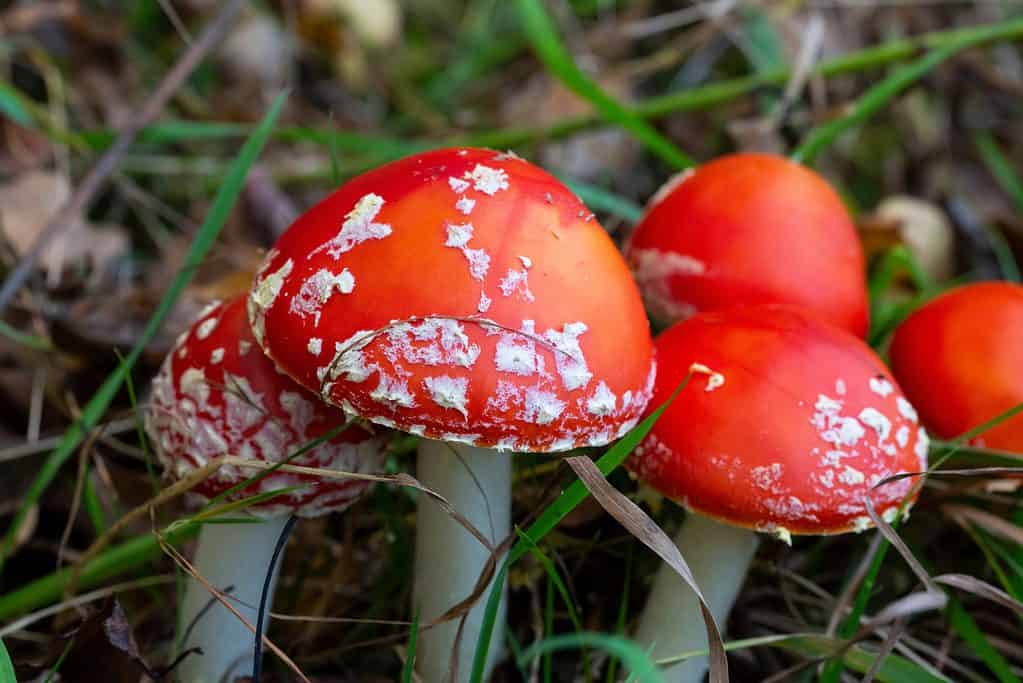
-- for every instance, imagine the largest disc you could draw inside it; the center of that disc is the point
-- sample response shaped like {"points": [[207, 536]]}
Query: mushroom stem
{"points": [[449, 560], [228, 555], [719, 556]]}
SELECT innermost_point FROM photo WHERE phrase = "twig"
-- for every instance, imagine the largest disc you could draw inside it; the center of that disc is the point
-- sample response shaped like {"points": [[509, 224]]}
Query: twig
{"points": [[108, 163]]}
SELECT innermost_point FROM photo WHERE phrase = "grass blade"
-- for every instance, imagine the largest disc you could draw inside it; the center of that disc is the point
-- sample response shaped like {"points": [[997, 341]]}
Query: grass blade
{"points": [[967, 628], [100, 401], [629, 653], [1007, 178], [542, 34], [410, 650], [131, 554], [873, 101], [1000, 167], [6, 666], [603, 200]]}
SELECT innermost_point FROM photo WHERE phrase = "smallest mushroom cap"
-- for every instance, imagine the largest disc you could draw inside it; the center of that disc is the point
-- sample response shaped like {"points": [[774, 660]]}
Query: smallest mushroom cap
{"points": [[216, 394]]}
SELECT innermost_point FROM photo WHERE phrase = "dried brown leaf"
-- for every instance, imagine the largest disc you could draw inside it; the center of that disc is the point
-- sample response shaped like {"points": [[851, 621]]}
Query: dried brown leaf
{"points": [[639, 524]]}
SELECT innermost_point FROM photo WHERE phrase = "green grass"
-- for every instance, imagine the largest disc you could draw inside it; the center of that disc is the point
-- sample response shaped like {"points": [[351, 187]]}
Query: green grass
{"points": [[544, 37], [96, 407], [6, 667]]}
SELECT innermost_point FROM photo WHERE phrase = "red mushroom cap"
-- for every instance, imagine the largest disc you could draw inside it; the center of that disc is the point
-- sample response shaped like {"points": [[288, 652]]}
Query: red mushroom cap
{"points": [[463, 295], [750, 229], [784, 426], [217, 394], [960, 360]]}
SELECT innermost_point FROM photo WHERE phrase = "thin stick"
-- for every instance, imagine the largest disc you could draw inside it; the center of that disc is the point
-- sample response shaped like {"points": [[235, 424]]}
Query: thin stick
{"points": [[98, 175], [257, 653], [191, 571]]}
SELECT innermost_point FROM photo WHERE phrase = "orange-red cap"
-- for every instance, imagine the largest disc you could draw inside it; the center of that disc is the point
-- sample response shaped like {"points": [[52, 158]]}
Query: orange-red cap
{"points": [[217, 394], [463, 295], [785, 425], [960, 360], [750, 229]]}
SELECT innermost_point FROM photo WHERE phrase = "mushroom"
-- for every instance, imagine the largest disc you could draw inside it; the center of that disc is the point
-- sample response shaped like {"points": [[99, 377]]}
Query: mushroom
{"points": [[749, 229], [960, 359], [467, 297], [215, 395], [786, 425]]}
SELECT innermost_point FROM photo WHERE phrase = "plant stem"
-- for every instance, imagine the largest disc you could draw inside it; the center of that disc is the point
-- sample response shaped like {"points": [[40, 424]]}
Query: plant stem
{"points": [[719, 555], [449, 560], [235, 555]]}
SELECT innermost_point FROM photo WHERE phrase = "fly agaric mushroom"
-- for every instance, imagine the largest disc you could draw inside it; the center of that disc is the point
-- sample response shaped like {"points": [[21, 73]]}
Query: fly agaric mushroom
{"points": [[786, 425], [960, 359], [217, 394], [470, 298], [749, 229]]}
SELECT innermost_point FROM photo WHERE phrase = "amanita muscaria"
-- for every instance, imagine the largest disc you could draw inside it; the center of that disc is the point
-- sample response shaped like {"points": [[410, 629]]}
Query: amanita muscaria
{"points": [[749, 229], [960, 359], [470, 298], [218, 395], [785, 426]]}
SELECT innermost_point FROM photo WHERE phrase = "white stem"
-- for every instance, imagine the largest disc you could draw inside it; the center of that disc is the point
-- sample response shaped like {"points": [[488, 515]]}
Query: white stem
{"points": [[449, 560], [719, 556], [228, 555]]}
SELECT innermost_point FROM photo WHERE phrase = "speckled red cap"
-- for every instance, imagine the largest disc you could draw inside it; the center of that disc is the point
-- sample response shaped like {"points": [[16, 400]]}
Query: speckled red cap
{"points": [[463, 295], [785, 425], [750, 229], [217, 394], [960, 359]]}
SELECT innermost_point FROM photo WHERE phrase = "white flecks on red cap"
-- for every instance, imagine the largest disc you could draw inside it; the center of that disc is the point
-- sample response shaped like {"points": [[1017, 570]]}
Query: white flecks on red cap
{"points": [[263, 297], [807, 465], [655, 270], [516, 281], [223, 401], [488, 180], [416, 351], [881, 386], [358, 227]]}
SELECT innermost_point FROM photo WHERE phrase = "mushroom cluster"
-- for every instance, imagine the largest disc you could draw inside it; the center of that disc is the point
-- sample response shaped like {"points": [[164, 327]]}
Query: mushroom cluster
{"points": [[469, 298], [791, 421]]}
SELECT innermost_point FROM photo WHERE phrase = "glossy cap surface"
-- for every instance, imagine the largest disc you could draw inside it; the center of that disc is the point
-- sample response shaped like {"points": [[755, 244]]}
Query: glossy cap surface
{"points": [[960, 359], [463, 295], [785, 425], [750, 229]]}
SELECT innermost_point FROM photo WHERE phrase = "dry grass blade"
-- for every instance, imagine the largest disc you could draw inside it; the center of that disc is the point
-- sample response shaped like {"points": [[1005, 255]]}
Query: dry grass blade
{"points": [[889, 533], [180, 560], [890, 641], [970, 584], [639, 524], [907, 606], [400, 479], [991, 523]]}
